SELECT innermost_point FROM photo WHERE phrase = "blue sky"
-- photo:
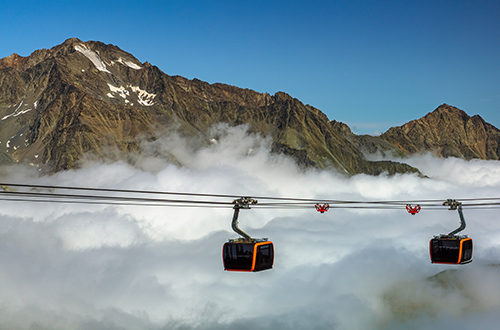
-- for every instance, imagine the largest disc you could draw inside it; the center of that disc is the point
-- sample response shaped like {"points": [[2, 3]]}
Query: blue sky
{"points": [[370, 64]]}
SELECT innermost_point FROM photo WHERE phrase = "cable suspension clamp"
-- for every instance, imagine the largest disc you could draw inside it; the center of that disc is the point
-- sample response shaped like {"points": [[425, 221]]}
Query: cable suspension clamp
{"points": [[453, 204], [244, 203]]}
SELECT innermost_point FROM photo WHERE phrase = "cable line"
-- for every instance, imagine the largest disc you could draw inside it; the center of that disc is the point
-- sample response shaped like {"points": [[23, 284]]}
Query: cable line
{"points": [[131, 197], [330, 201]]}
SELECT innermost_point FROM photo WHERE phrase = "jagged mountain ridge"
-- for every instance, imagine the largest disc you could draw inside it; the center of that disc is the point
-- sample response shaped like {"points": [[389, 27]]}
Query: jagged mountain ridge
{"points": [[79, 97], [447, 131]]}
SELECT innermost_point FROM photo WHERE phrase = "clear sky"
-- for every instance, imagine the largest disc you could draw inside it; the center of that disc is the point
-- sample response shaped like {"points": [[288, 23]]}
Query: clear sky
{"points": [[370, 64]]}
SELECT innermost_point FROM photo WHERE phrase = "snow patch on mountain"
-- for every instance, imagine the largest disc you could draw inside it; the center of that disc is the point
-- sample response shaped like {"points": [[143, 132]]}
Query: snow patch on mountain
{"points": [[143, 97], [19, 110], [129, 64], [92, 56], [121, 91]]}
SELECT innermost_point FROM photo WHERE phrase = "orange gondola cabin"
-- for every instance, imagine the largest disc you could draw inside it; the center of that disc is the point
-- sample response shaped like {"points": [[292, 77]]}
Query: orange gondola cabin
{"points": [[248, 256], [454, 250]]}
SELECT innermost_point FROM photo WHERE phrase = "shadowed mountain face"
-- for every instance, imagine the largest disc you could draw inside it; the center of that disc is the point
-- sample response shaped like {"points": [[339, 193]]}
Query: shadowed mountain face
{"points": [[78, 97]]}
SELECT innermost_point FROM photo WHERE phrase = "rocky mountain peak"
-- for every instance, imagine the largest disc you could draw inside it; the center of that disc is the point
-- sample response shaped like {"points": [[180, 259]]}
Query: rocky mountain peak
{"points": [[446, 112], [447, 131], [100, 54], [14, 61], [282, 96], [71, 42]]}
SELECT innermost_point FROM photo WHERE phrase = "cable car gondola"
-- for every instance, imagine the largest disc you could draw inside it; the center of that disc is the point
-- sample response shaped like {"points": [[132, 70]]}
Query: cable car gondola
{"points": [[451, 248], [456, 250], [246, 254]]}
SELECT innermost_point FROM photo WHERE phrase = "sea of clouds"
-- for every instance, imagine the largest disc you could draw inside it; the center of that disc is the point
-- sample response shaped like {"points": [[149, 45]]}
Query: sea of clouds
{"points": [[93, 267]]}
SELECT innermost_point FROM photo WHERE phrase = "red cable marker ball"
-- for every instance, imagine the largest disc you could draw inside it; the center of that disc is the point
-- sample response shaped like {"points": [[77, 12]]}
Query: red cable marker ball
{"points": [[322, 208], [413, 210]]}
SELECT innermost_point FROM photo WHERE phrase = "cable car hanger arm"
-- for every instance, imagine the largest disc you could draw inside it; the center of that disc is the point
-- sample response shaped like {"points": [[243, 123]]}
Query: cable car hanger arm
{"points": [[235, 227], [241, 203], [454, 205]]}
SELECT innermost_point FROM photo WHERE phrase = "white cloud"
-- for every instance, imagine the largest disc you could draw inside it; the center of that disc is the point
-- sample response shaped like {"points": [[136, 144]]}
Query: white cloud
{"points": [[478, 173], [111, 267]]}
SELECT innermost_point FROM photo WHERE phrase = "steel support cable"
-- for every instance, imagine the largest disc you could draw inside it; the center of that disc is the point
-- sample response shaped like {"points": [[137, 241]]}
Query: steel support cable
{"points": [[110, 200], [21, 185], [100, 197], [131, 201], [338, 206], [318, 200], [34, 195], [166, 193], [293, 201], [480, 204], [90, 202], [483, 207], [164, 203]]}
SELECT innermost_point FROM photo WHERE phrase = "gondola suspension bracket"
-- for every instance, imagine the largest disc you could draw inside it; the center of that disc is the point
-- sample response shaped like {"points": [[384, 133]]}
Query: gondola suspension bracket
{"points": [[241, 203], [454, 205]]}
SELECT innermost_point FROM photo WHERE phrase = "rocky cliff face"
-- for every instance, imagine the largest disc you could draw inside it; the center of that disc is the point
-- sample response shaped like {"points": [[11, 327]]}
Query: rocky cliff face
{"points": [[447, 131], [78, 97], [54, 104]]}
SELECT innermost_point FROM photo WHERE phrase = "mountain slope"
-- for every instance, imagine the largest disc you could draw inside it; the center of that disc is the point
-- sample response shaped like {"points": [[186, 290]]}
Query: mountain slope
{"points": [[78, 97], [58, 104], [447, 131]]}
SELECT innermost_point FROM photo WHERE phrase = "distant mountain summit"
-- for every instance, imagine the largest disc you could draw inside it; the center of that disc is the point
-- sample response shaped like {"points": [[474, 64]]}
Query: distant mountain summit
{"points": [[78, 97], [447, 131]]}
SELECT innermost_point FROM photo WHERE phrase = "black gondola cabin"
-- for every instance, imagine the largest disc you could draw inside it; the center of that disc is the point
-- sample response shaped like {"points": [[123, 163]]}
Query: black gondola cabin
{"points": [[455, 250], [248, 256]]}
